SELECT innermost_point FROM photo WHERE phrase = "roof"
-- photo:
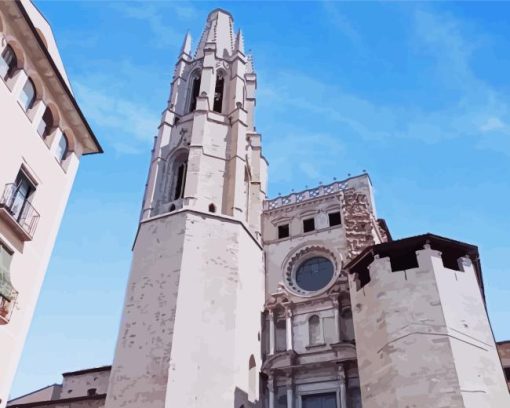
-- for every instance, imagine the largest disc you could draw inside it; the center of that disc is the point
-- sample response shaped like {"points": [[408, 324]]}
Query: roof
{"points": [[59, 401], [88, 370], [59, 76]]}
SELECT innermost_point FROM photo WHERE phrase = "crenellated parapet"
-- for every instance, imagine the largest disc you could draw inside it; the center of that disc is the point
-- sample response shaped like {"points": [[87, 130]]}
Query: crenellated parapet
{"points": [[416, 294]]}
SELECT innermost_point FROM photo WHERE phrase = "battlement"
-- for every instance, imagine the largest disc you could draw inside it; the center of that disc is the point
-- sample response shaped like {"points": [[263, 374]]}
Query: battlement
{"points": [[403, 255], [316, 192]]}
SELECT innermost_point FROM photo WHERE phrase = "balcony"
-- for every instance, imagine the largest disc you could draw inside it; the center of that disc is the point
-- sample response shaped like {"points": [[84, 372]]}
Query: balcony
{"points": [[17, 211]]}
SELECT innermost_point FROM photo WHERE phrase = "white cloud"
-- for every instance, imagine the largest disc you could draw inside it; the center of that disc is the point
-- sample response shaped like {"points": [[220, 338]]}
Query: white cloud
{"points": [[476, 108], [492, 123], [130, 126]]}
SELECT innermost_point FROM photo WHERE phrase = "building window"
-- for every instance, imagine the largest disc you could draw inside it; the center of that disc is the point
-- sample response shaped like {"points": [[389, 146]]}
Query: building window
{"points": [[334, 219], [8, 63], [326, 400], [91, 391], [27, 95], [212, 208], [19, 200], [180, 182], [252, 378], [309, 224], [507, 373], [314, 274], [194, 91], [283, 231], [314, 330], [7, 291], [46, 123], [62, 148], [218, 92]]}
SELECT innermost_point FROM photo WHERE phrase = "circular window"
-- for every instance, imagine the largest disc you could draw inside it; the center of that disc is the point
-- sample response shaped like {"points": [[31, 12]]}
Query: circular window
{"points": [[314, 273]]}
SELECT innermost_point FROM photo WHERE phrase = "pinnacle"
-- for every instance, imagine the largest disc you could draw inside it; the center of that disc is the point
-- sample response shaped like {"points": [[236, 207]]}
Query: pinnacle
{"points": [[186, 44], [239, 46]]}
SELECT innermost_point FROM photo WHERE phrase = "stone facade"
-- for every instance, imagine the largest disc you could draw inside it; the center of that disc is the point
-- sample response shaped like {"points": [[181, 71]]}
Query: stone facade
{"points": [[43, 137]]}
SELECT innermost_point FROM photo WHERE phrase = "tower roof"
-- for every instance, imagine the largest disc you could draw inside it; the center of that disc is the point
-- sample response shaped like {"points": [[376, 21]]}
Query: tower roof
{"points": [[219, 30]]}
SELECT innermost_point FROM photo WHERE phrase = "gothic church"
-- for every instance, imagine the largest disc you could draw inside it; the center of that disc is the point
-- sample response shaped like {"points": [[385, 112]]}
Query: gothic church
{"points": [[302, 301]]}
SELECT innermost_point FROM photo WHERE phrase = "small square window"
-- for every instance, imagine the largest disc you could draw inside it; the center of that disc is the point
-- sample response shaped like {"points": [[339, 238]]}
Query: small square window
{"points": [[283, 231], [334, 219], [308, 225]]}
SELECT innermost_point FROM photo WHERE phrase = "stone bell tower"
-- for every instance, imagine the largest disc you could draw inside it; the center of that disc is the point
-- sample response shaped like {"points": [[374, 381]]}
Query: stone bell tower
{"points": [[190, 329]]}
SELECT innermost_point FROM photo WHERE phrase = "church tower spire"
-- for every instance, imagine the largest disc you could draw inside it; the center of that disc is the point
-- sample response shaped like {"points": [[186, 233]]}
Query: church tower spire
{"points": [[190, 329]]}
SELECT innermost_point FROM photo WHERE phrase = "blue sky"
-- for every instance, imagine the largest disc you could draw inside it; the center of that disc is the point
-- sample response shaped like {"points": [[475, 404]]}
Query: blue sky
{"points": [[417, 94]]}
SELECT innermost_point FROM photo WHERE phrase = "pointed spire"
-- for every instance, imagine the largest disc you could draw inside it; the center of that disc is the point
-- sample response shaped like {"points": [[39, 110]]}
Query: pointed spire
{"points": [[239, 42], [218, 30], [186, 44]]}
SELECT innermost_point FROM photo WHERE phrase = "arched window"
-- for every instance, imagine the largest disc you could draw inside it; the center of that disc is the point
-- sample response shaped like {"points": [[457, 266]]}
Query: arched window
{"points": [[46, 124], [218, 92], [8, 63], [62, 148], [314, 330], [346, 326], [27, 95], [212, 208], [180, 179], [194, 90], [252, 378]]}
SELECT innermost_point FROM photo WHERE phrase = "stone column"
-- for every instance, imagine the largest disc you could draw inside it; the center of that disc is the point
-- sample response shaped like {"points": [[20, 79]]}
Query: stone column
{"points": [[288, 327], [343, 390], [270, 387], [290, 391], [272, 337]]}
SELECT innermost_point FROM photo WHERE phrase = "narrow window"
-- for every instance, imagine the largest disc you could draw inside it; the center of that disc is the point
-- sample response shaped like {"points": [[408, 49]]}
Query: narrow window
{"points": [[308, 225], [62, 148], [281, 335], [46, 123], [314, 330], [252, 378], [195, 89], [247, 192], [507, 373], [212, 208], [283, 231], [8, 63], [181, 180], [27, 95], [334, 219], [218, 92]]}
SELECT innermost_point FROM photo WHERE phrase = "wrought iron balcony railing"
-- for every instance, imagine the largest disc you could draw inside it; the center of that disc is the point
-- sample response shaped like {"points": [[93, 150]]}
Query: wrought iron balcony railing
{"points": [[20, 210]]}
